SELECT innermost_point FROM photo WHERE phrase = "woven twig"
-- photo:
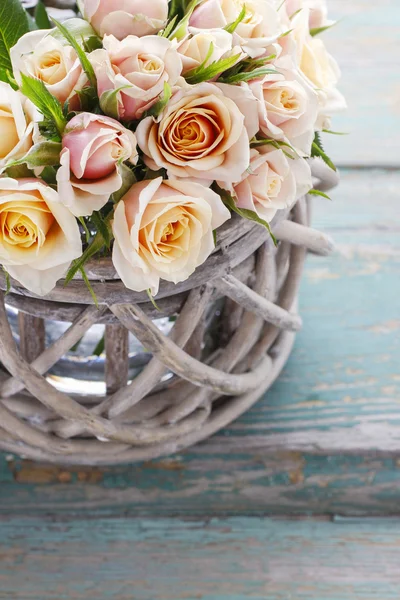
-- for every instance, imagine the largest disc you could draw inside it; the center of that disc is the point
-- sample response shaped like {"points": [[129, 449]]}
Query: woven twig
{"points": [[147, 418]]}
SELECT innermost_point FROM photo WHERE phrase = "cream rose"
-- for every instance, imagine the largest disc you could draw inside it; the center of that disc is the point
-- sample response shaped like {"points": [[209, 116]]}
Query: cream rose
{"points": [[125, 17], [272, 183], [164, 230], [18, 119], [94, 147], [39, 237], [288, 106], [195, 48], [203, 133], [139, 68], [318, 11], [42, 56], [319, 68], [260, 27]]}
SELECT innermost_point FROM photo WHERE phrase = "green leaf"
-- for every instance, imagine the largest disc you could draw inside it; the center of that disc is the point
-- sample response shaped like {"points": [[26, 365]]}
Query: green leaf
{"points": [[180, 30], [231, 28], [278, 144], [169, 28], [83, 59], [203, 73], [317, 30], [49, 175], [314, 192], [230, 203], [103, 227], [98, 351], [89, 286], [41, 16], [159, 106], [50, 107], [248, 75], [85, 229], [334, 132], [109, 102], [318, 151], [19, 172], [94, 247], [152, 300], [43, 154], [13, 25], [8, 281]]}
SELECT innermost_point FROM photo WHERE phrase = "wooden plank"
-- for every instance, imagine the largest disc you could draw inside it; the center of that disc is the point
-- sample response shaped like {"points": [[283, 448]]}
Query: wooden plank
{"points": [[366, 43], [232, 559], [339, 393]]}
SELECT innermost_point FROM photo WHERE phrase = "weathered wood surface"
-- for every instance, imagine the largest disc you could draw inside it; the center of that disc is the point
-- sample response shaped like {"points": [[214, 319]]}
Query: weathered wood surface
{"points": [[366, 43], [339, 393], [232, 559]]}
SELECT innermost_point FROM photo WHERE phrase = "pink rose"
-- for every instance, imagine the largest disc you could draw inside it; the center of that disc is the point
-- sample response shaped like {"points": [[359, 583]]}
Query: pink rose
{"points": [[288, 106], [203, 133], [42, 56], [139, 68], [273, 182], [164, 230], [94, 147], [125, 17], [260, 27]]}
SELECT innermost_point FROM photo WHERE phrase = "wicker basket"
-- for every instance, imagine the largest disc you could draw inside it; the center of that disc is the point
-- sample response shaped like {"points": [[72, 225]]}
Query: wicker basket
{"points": [[235, 326]]}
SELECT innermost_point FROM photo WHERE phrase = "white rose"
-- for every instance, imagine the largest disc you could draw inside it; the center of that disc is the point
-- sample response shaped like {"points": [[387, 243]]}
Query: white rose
{"points": [[288, 106], [272, 182], [195, 48], [40, 55], [164, 230], [260, 27], [17, 125], [39, 237], [319, 68]]}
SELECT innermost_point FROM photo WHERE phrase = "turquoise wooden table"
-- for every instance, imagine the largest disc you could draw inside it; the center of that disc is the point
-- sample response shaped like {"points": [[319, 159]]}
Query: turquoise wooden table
{"points": [[287, 502]]}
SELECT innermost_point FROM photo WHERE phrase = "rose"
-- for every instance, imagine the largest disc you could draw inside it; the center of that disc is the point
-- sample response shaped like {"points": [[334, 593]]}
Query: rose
{"points": [[273, 182], [164, 230], [125, 17], [318, 15], [319, 68], [39, 237], [17, 125], [287, 106], [138, 68], [94, 147], [203, 47], [203, 133], [40, 55], [260, 27]]}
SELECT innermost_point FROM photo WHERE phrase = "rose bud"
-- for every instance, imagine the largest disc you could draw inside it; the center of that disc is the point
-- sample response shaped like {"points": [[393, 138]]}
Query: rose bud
{"points": [[94, 147], [125, 17]]}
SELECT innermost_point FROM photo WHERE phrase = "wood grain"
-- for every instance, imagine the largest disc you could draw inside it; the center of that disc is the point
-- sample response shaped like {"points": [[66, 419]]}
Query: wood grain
{"points": [[256, 559], [366, 43]]}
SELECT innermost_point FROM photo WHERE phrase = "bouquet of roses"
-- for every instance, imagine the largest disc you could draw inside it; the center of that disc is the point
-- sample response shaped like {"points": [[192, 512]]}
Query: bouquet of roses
{"points": [[140, 128]]}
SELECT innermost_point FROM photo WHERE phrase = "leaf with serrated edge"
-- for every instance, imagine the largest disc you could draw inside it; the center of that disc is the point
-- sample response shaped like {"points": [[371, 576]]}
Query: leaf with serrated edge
{"points": [[13, 25]]}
